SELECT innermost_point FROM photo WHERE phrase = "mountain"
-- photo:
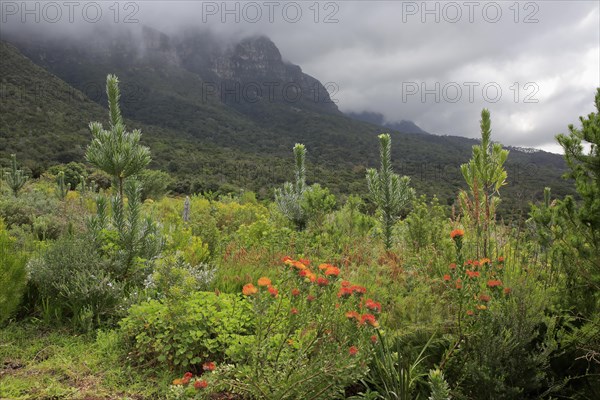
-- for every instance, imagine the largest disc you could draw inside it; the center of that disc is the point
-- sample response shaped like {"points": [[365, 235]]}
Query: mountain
{"points": [[376, 118], [52, 89]]}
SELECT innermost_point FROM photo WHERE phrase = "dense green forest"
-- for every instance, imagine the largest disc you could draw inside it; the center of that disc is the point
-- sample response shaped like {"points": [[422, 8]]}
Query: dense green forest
{"points": [[338, 280]]}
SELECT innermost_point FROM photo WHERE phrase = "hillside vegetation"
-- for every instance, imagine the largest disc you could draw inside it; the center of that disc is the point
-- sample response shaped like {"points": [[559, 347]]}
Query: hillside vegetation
{"points": [[112, 289]]}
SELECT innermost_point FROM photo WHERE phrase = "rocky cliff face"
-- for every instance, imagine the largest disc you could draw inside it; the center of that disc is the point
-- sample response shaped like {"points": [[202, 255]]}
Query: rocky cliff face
{"points": [[249, 75]]}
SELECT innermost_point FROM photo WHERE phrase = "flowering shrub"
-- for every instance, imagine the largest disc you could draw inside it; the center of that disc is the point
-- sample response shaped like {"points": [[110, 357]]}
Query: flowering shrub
{"points": [[312, 338]]}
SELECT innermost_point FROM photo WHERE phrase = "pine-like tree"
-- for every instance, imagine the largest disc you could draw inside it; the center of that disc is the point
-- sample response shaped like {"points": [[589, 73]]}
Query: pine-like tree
{"points": [[289, 198], [485, 175], [116, 151], [390, 192], [15, 178]]}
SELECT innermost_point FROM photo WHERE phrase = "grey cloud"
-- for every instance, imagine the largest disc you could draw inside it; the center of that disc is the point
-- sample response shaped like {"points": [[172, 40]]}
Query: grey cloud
{"points": [[372, 50]]}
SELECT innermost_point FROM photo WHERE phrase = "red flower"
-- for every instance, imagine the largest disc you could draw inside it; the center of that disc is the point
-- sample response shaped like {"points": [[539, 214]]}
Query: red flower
{"points": [[332, 271], [469, 312], [287, 260], [209, 366], [310, 297], [346, 284], [294, 311], [472, 274], [186, 380], [322, 281], [373, 339], [358, 290], [295, 292], [457, 233], [501, 259], [302, 273], [446, 278], [369, 319], [507, 290], [459, 284], [373, 305], [353, 350], [249, 289], [201, 384], [494, 283], [273, 291], [453, 266], [345, 292], [188, 375], [305, 261]]}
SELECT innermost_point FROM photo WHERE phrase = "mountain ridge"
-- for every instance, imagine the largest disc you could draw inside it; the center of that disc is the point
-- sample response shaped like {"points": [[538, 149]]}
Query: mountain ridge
{"points": [[208, 144]]}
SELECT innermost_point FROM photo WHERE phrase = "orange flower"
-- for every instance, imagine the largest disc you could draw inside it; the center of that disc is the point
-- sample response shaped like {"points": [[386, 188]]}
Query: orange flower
{"points": [[469, 312], [298, 265], [346, 284], [294, 311], [452, 266], [459, 283], [481, 307], [323, 267], [287, 260], [494, 283], [369, 319], [303, 272], [322, 281], [178, 381], [305, 261], [484, 297], [476, 263], [209, 366], [457, 233], [501, 259], [507, 290], [311, 277], [310, 297], [273, 291], [373, 306], [353, 315], [484, 261], [446, 278], [332, 271], [201, 384], [345, 292], [353, 350], [295, 292], [264, 281], [249, 289]]}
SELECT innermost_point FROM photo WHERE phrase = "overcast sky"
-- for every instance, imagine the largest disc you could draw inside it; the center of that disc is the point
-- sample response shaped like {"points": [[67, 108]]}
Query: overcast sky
{"points": [[534, 64]]}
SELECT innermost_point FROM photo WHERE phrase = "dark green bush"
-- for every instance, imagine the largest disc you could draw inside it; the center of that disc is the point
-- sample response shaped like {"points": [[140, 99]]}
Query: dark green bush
{"points": [[13, 275]]}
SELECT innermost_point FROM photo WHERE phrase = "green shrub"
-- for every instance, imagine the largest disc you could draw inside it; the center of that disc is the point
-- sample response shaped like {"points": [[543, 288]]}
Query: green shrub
{"points": [[154, 183], [75, 283], [13, 275], [183, 333]]}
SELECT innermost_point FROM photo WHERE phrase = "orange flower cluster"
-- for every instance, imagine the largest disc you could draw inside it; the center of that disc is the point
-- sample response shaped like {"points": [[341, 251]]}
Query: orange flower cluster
{"points": [[472, 274], [198, 383], [249, 289], [353, 350], [457, 234]]}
